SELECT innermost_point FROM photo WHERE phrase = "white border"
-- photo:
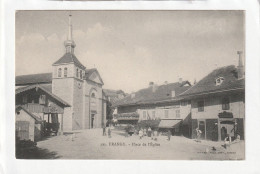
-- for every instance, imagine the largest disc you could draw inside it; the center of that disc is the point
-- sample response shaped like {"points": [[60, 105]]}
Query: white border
{"points": [[10, 165]]}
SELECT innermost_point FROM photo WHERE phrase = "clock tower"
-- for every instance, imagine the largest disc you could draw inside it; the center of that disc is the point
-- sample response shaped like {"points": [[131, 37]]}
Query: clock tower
{"points": [[67, 83]]}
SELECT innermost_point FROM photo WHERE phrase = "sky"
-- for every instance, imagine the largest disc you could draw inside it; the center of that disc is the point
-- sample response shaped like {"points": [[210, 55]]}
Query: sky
{"points": [[132, 48]]}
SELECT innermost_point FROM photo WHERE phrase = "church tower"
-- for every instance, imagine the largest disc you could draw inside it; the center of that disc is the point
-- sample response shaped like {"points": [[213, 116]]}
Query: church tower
{"points": [[67, 83]]}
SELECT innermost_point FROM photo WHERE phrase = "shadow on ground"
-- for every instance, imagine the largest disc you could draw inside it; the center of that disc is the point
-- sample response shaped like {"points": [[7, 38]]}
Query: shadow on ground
{"points": [[36, 153]]}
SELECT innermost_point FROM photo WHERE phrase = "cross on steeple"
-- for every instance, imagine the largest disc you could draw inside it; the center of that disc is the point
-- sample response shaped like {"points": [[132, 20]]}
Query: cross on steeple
{"points": [[69, 43]]}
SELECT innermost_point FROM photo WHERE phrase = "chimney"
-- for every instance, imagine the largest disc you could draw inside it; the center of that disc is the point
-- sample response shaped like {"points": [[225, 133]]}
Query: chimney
{"points": [[180, 80], [155, 87], [173, 93], [240, 67]]}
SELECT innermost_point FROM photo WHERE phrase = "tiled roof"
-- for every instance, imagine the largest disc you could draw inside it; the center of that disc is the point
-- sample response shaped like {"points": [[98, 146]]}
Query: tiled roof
{"points": [[33, 79], [208, 83], [88, 73], [46, 88], [111, 92], [148, 95], [44, 78], [69, 58], [113, 95], [19, 107]]}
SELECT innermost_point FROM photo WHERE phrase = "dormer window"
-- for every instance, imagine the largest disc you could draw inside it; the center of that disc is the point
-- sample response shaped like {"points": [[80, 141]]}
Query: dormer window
{"points": [[65, 72], [219, 81], [59, 72]]}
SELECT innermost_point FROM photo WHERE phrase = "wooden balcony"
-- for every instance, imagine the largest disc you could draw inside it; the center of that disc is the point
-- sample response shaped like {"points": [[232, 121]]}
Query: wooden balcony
{"points": [[34, 107]]}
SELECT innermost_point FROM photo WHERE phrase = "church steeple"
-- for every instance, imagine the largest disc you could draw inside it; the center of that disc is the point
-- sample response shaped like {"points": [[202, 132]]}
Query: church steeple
{"points": [[69, 43]]}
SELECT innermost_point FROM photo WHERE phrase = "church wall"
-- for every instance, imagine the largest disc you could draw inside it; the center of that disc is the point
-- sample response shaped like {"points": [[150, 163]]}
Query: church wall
{"points": [[77, 105], [86, 114], [67, 119], [97, 88], [63, 88]]}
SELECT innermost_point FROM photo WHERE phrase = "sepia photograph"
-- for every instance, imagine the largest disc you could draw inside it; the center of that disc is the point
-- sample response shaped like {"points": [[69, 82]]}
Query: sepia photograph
{"points": [[130, 84]]}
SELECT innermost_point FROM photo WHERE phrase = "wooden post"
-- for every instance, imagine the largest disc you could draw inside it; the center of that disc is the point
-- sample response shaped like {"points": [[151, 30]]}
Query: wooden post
{"points": [[61, 124], [219, 130], [48, 118]]}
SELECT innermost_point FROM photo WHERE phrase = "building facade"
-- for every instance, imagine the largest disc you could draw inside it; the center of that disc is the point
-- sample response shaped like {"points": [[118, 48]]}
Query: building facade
{"points": [[157, 103], [218, 103]]}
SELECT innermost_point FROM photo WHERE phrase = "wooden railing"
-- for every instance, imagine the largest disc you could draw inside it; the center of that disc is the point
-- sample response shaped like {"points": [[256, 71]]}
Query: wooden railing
{"points": [[34, 107]]}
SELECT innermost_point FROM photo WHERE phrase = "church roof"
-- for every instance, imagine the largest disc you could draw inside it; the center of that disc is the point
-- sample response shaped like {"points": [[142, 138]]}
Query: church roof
{"points": [[69, 58], [33, 79], [89, 72]]}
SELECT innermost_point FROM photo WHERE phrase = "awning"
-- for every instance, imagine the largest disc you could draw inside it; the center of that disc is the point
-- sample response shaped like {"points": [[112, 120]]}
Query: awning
{"points": [[169, 123]]}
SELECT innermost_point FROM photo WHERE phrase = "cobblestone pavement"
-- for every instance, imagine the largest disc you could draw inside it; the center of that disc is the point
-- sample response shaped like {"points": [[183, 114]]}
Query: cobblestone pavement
{"points": [[90, 144]]}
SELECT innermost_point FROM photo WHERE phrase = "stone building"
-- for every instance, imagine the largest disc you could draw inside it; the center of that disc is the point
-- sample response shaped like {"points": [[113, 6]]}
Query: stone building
{"points": [[157, 102], [80, 87], [218, 103]]}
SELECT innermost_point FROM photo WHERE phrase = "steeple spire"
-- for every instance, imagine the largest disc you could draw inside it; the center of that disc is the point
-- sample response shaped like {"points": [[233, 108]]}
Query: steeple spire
{"points": [[69, 43]]}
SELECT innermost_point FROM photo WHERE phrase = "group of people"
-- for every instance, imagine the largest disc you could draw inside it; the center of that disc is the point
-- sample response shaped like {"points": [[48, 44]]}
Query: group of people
{"points": [[152, 133], [227, 140], [146, 132]]}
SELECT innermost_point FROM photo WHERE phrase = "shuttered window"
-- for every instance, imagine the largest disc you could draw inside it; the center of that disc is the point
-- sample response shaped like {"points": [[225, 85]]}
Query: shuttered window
{"points": [[201, 106], [59, 72], [225, 103]]}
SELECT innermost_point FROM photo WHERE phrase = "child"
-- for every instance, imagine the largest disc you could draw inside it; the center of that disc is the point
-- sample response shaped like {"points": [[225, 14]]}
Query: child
{"points": [[227, 141], [140, 134], [198, 134], [109, 133]]}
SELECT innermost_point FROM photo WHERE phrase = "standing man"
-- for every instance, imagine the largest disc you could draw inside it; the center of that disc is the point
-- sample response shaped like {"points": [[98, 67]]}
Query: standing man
{"points": [[149, 132], [169, 135], [104, 130], [198, 134], [109, 133]]}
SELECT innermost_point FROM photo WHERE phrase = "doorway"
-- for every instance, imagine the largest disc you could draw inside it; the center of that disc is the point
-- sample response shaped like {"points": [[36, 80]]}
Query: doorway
{"points": [[227, 128], [202, 129], [92, 120]]}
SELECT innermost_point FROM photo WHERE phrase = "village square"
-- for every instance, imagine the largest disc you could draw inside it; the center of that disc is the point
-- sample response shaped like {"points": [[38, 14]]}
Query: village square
{"points": [[69, 114]]}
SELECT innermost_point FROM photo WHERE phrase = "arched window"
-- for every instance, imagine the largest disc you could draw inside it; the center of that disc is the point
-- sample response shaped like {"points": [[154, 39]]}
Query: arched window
{"points": [[77, 72], [65, 72], [93, 99], [59, 72], [80, 73]]}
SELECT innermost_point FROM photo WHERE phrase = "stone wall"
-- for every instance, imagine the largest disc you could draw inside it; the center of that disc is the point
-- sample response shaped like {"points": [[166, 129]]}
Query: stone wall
{"points": [[77, 105]]}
